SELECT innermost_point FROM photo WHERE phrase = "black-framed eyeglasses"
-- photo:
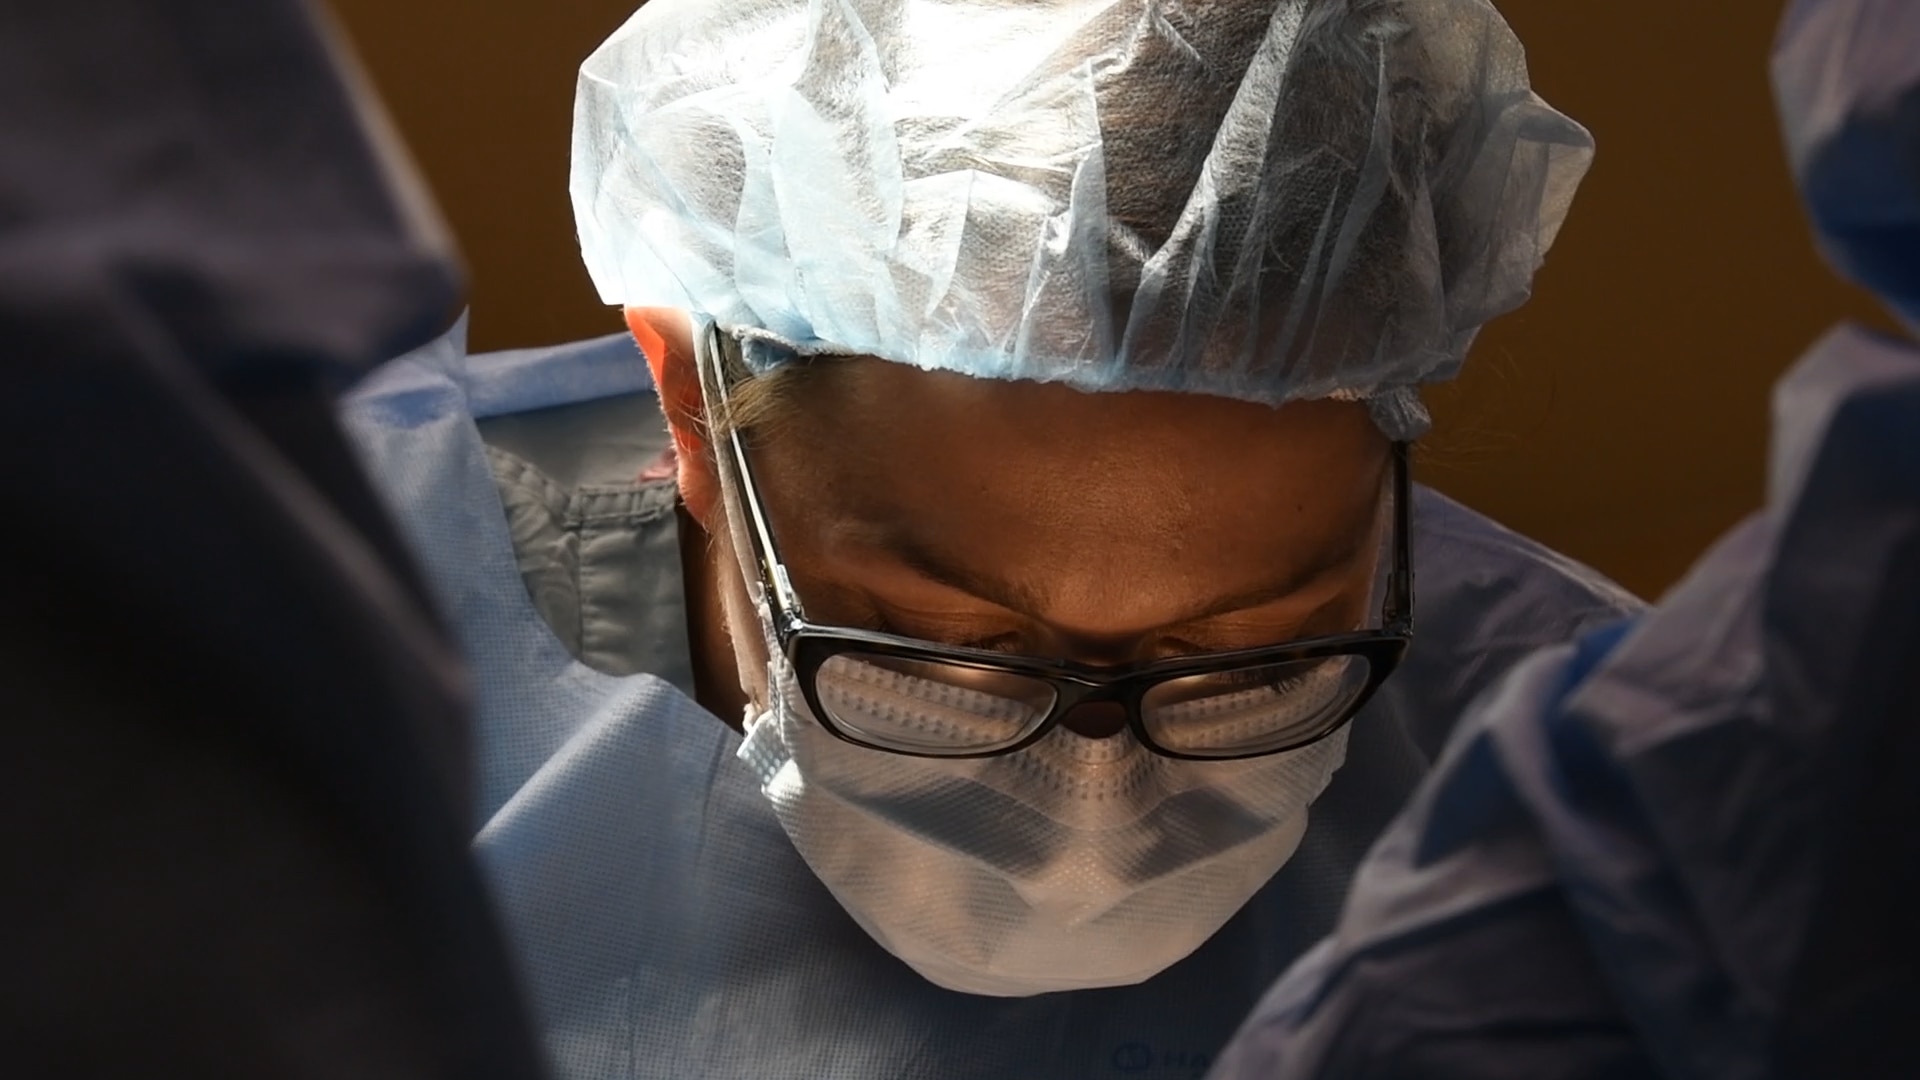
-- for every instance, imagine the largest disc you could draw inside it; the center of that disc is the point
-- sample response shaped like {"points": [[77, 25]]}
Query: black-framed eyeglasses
{"points": [[924, 699]]}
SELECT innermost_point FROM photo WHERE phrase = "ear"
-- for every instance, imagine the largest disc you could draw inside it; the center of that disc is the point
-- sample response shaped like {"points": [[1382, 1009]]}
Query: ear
{"points": [[665, 337]]}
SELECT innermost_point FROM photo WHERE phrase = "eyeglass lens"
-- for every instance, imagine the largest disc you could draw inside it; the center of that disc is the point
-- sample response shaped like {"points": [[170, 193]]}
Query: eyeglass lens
{"points": [[934, 707]]}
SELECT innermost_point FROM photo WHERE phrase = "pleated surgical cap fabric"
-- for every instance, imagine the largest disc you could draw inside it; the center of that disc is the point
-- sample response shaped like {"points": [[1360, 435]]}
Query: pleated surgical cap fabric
{"points": [[1267, 200]]}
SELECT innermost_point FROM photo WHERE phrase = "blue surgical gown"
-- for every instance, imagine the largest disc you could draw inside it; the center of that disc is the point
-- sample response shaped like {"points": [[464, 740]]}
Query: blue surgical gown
{"points": [[663, 922], [232, 798], [1685, 846]]}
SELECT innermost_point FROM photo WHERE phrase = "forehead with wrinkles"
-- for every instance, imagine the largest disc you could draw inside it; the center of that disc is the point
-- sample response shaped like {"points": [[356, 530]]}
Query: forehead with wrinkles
{"points": [[1105, 513]]}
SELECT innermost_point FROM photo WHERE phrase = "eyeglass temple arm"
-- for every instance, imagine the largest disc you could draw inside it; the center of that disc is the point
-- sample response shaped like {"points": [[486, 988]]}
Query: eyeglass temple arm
{"points": [[1399, 613], [766, 554]]}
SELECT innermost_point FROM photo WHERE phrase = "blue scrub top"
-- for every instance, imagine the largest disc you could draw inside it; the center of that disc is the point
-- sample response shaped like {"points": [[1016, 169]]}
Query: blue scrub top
{"points": [[663, 922]]}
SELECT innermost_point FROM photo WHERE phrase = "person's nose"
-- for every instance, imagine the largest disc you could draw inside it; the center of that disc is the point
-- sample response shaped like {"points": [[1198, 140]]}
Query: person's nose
{"points": [[1096, 719]]}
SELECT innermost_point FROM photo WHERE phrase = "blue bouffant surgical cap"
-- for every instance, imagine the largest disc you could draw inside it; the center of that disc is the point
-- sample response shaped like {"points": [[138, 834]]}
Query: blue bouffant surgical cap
{"points": [[1846, 74], [1268, 200]]}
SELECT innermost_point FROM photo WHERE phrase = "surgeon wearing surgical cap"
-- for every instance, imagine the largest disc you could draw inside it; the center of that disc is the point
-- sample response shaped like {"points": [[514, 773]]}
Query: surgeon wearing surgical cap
{"points": [[1683, 847], [1026, 621]]}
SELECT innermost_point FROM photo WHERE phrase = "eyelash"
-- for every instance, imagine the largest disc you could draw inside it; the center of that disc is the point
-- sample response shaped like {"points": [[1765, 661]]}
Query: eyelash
{"points": [[1257, 678]]}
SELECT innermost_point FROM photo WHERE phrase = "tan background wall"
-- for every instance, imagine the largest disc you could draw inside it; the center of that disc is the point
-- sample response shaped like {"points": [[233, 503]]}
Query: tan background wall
{"points": [[1620, 417]]}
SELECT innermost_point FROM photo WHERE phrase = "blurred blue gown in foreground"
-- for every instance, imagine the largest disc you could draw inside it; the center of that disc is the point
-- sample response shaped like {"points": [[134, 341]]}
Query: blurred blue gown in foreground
{"points": [[236, 735], [1684, 847]]}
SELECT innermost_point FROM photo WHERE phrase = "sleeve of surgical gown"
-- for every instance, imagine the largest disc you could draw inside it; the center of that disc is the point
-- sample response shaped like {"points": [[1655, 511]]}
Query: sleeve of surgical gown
{"points": [[1681, 848], [231, 833]]}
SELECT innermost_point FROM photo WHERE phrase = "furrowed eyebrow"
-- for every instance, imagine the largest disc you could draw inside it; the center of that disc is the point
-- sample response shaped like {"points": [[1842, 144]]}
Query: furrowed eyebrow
{"points": [[1323, 563], [936, 566]]}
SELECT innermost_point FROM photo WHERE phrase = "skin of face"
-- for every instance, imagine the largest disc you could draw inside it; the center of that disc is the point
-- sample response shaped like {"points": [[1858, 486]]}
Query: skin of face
{"points": [[1104, 528]]}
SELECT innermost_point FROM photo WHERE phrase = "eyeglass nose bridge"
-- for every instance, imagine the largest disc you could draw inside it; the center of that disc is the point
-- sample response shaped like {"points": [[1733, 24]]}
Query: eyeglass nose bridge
{"points": [[1075, 693]]}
